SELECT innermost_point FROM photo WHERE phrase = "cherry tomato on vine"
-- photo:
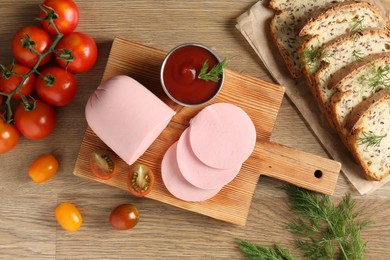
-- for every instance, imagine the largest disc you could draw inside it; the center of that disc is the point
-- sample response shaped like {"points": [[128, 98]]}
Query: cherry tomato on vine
{"points": [[9, 136], [36, 123], [124, 217], [10, 80], [140, 180], [37, 38], [57, 88], [68, 216], [66, 13], [103, 164], [43, 168], [76, 52]]}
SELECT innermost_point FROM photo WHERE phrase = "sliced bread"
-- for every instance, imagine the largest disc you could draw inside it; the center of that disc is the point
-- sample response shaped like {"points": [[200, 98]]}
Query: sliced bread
{"points": [[332, 22], [283, 24], [343, 51], [363, 80], [369, 139], [342, 18]]}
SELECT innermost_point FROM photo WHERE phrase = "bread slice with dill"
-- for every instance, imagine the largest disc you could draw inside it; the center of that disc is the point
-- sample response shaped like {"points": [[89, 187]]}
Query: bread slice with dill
{"points": [[289, 15], [369, 138], [357, 82], [330, 23], [343, 51]]}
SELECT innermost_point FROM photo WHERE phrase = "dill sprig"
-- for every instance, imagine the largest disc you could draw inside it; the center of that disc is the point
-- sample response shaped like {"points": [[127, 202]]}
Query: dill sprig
{"points": [[370, 139], [324, 230], [380, 78], [357, 54], [214, 73], [256, 252], [310, 57], [356, 25]]}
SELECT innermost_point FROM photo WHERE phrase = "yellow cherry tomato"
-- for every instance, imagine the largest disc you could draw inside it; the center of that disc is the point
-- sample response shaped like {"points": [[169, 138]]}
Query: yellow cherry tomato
{"points": [[43, 168], [68, 216]]}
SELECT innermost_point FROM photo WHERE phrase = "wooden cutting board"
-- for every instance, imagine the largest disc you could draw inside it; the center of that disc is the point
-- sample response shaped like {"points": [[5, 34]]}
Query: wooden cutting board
{"points": [[261, 100]]}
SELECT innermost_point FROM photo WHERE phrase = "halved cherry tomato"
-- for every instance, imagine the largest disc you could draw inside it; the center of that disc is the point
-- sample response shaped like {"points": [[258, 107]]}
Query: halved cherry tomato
{"points": [[57, 88], [39, 40], [66, 16], [9, 136], [36, 123], [103, 164], [11, 79], [140, 180], [76, 52], [124, 217], [68, 216], [43, 168]]}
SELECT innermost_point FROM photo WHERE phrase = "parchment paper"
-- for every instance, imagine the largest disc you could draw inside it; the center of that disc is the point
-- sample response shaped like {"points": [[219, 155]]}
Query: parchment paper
{"points": [[254, 25]]}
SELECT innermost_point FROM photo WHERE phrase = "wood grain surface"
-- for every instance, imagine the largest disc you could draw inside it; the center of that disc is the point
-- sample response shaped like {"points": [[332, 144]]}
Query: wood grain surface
{"points": [[28, 229]]}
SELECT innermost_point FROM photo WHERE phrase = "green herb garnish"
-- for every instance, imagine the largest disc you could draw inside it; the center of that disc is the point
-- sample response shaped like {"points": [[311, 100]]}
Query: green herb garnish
{"points": [[370, 139], [323, 230], [357, 25], [310, 57], [357, 54], [256, 252], [380, 78], [214, 73]]}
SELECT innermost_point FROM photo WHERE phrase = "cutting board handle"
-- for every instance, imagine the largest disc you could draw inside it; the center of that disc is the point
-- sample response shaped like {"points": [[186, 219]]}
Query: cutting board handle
{"points": [[296, 167]]}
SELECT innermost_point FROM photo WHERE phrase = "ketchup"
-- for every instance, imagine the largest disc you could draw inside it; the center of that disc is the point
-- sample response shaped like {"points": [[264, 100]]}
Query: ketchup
{"points": [[180, 75]]}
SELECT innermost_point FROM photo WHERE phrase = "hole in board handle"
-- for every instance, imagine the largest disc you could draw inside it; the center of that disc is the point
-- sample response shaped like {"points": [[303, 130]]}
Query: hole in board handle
{"points": [[318, 174]]}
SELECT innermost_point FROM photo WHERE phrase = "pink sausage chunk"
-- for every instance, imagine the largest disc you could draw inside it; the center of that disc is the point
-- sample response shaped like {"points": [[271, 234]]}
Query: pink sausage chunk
{"points": [[126, 116], [196, 172], [176, 184], [222, 136]]}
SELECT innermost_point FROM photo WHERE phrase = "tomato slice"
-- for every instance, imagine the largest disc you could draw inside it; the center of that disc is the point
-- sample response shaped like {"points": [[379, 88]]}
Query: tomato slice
{"points": [[140, 180], [124, 217], [103, 164]]}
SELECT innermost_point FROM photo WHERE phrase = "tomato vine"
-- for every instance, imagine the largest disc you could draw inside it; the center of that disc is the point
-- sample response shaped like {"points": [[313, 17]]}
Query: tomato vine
{"points": [[29, 44]]}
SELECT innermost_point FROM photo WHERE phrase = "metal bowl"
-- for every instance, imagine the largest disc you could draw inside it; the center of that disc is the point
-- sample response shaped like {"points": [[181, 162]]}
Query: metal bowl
{"points": [[222, 76]]}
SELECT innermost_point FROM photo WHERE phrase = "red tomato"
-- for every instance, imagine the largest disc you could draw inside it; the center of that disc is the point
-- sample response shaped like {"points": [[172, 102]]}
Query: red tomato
{"points": [[79, 49], [57, 88], [43, 168], [103, 164], [124, 217], [1, 100], [39, 39], [9, 83], [66, 16], [36, 123], [140, 180], [9, 136], [68, 216]]}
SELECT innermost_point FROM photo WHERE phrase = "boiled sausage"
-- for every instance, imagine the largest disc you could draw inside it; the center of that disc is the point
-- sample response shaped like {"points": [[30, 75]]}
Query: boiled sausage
{"points": [[126, 116]]}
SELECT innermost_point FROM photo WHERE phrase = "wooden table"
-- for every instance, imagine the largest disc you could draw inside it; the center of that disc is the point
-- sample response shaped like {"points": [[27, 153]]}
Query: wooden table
{"points": [[28, 229]]}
